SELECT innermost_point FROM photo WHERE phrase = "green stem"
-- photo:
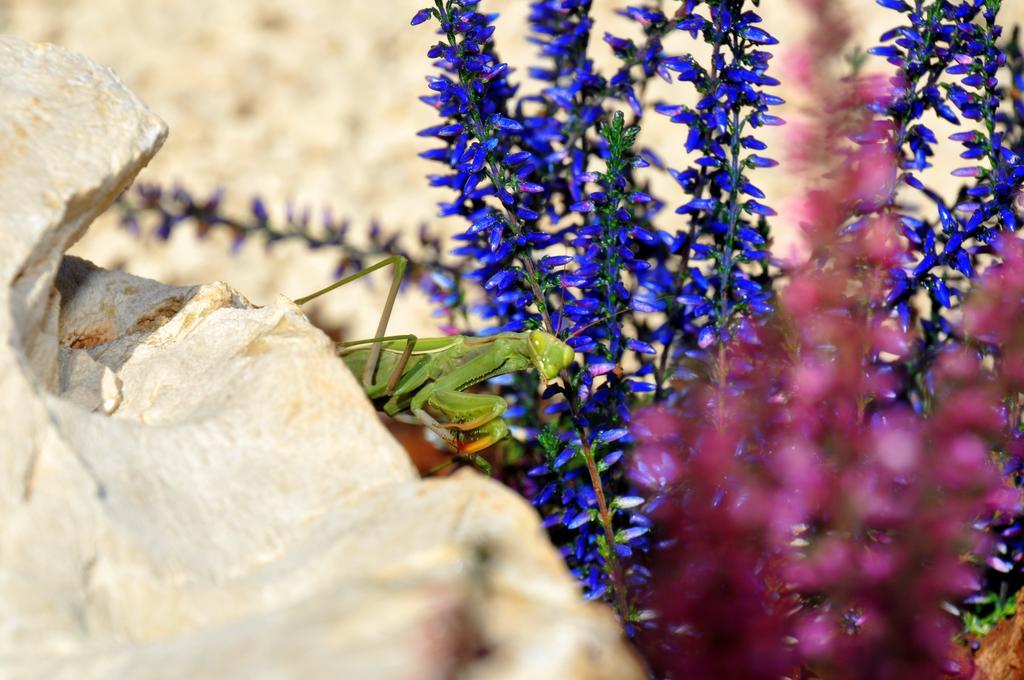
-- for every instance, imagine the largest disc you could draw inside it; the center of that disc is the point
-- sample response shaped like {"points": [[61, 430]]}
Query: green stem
{"points": [[479, 131]]}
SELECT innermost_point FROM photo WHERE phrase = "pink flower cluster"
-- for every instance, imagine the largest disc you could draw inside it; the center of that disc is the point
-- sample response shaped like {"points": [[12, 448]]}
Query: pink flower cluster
{"points": [[811, 520]]}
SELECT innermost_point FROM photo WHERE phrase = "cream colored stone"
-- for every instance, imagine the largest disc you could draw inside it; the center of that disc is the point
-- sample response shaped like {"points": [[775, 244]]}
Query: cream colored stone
{"points": [[195, 487], [110, 391]]}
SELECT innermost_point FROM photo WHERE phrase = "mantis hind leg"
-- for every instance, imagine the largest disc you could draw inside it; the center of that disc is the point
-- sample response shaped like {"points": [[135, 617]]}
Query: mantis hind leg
{"points": [[397, 371], [399, 263]]}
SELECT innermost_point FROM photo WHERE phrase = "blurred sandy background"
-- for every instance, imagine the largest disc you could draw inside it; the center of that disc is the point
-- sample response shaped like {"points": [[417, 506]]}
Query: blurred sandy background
{"points": [[316, 101]]}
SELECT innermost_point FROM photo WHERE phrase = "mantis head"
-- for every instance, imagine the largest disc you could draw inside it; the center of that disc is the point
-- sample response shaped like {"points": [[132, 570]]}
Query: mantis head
{"points": [[549, 354]]}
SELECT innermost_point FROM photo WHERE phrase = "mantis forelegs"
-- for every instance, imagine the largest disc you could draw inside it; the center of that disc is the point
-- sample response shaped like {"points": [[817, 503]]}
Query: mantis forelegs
{"points": [[465, 411], [471, 422], [467, 442]]}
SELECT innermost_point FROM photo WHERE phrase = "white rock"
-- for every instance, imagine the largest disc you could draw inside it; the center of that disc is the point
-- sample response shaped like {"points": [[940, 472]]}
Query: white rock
{"points": [[193, 487]]}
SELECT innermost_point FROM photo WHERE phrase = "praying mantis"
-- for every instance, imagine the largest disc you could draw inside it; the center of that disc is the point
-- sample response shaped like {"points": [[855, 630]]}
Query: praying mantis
{"points": [[423, 380]]}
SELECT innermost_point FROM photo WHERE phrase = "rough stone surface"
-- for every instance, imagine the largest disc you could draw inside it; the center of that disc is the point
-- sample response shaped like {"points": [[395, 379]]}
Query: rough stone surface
{"points": [[191, 486]]}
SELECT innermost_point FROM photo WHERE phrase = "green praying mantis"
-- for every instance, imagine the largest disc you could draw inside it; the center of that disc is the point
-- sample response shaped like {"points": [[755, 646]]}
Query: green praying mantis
{"points": [[423, 380]]}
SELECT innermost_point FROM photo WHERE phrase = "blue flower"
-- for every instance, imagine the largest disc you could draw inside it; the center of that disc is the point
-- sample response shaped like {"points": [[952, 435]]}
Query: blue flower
{"points": [[942, 42], [716, 269]]}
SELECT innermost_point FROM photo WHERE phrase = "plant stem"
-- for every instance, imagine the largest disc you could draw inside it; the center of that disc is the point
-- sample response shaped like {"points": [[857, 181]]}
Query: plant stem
{"points": [[512, 219]]}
